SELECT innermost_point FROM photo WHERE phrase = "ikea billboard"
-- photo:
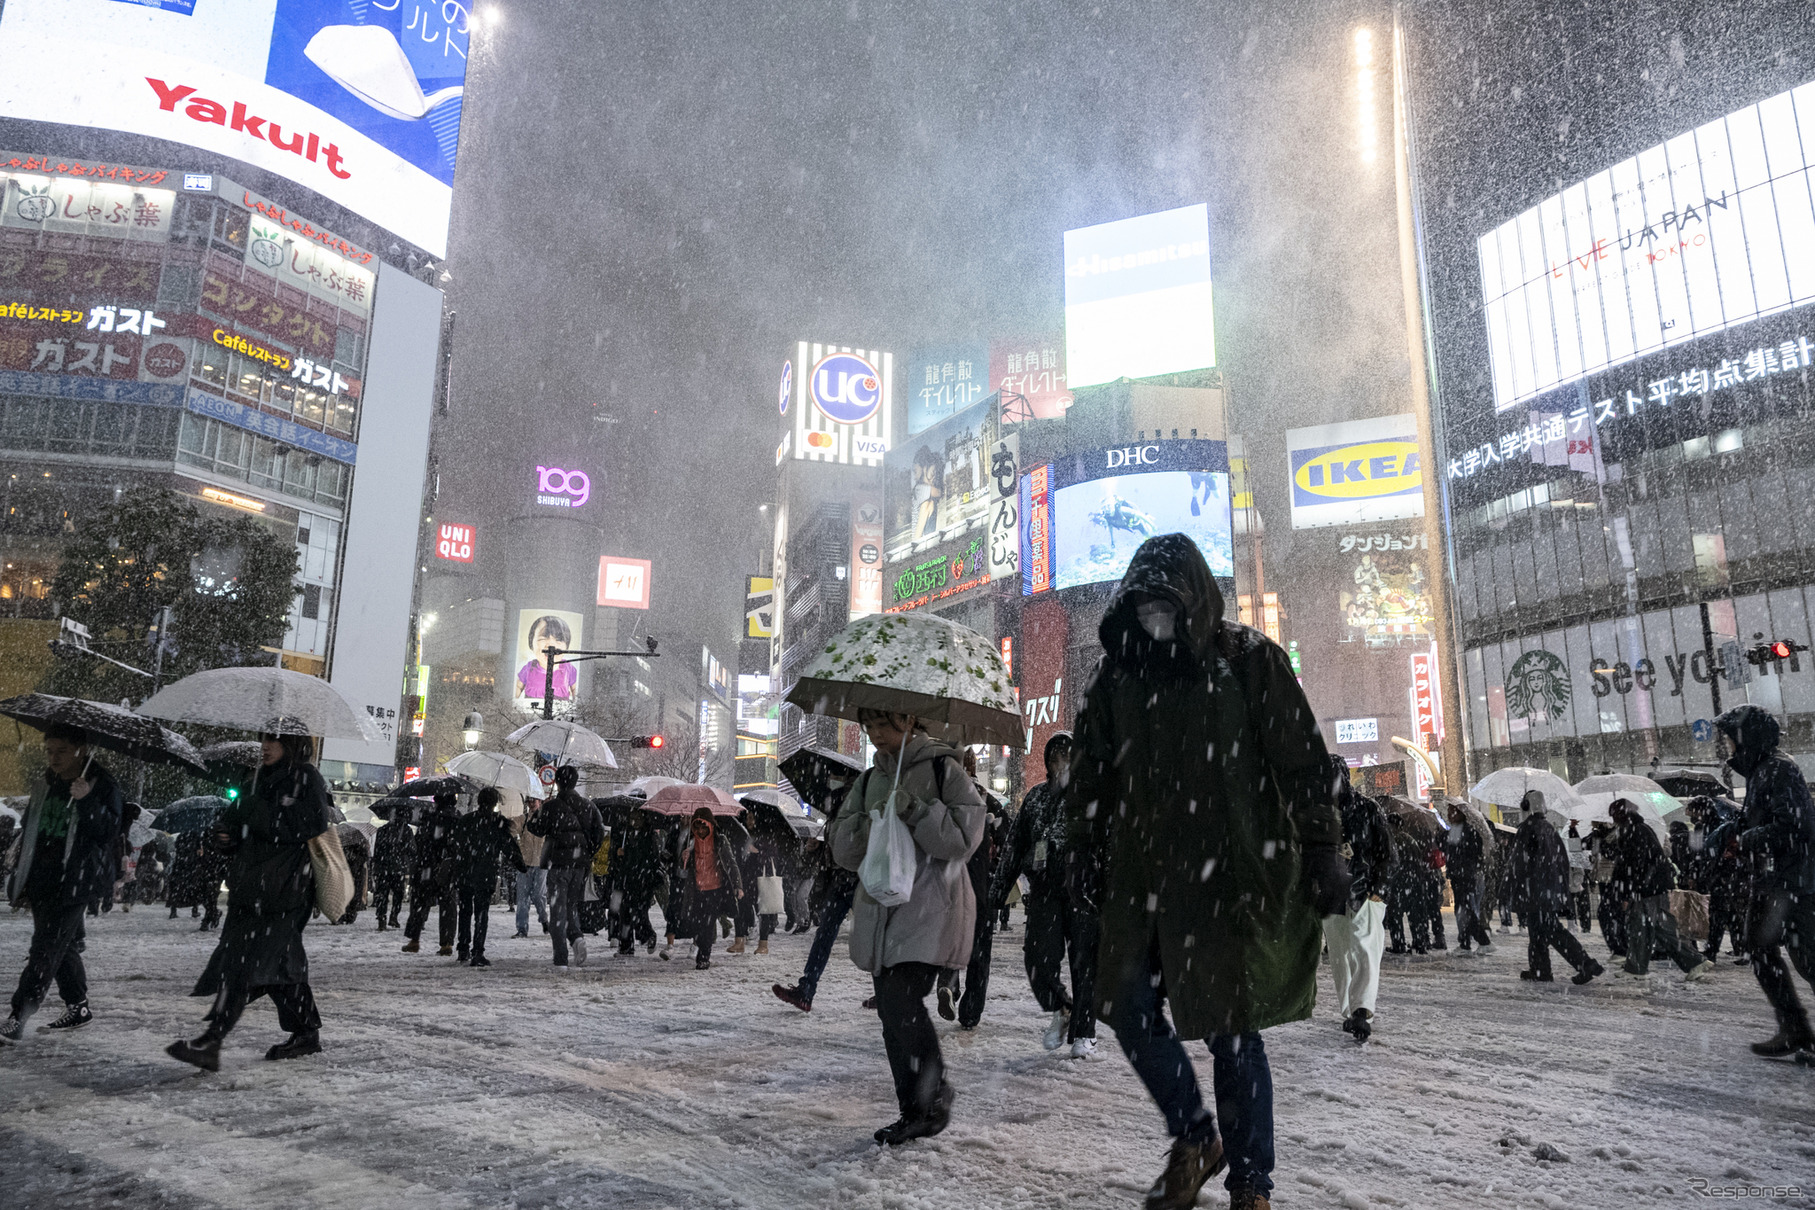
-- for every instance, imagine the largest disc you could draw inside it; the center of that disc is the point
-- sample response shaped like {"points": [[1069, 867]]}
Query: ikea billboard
{"points": [[358, 102], [1355, 472]]}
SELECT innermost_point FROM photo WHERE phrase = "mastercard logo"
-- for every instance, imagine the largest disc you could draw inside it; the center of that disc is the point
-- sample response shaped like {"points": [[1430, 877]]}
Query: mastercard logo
{"points": [[821, 441]]}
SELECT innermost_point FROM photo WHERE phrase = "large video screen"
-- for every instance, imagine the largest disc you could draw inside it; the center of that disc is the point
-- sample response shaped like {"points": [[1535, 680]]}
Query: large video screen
{"points": [[1088, 513], [359, 102], [1137, 297], [1713, 228]]}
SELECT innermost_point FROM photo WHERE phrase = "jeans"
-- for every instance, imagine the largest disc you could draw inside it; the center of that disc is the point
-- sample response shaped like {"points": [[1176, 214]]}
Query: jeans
{"points": [[1545, 933], [475, 917], [566, 887], [1053, 929], [1356, 940], [1241, 1079], [55, 954], [532, 886], [832, 912], [1650, 920], [908, 1034]]}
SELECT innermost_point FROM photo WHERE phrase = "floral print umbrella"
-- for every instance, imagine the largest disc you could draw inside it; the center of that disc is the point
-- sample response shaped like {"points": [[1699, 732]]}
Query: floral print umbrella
{"points": [[946, 675]]}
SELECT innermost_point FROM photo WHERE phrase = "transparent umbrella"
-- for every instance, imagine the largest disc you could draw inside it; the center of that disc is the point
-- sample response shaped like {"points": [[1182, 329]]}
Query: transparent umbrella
{"points": [[263, 699], [1508, 787], [568, 742], [496, 769]]}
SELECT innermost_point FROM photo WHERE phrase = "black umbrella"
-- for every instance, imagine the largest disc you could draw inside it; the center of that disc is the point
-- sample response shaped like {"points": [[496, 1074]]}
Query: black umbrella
{"points": [[114, 728], [429, 787], [1687, 783], [809, 769], [189, 814], [395, 809]]}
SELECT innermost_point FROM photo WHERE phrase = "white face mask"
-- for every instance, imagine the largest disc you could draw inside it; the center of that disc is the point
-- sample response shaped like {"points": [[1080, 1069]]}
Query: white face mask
{"points": [[1158, 618]]}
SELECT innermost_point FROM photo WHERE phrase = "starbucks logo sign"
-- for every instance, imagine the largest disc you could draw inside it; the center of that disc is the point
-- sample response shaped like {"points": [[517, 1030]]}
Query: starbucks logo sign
{"points": [[1537, 686]]}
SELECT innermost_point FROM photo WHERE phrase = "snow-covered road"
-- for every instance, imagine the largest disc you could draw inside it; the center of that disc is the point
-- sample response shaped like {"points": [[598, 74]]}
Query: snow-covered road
{"points": [[641, 1083]]}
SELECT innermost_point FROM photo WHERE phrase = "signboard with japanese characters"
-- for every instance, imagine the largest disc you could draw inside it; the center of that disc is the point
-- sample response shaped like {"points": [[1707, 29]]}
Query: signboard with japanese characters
{"points": [[1707, 230], [296, 261], [1384, 593], [360, 103], [866, 554], [1005, 507], [253, 302], [104, 341], [1030, 373], [79, 205], [944, 380], [49, 276]]}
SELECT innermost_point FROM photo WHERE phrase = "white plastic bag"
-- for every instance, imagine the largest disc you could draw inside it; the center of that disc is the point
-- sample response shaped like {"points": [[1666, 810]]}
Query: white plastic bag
{"points": [[887, 870]]}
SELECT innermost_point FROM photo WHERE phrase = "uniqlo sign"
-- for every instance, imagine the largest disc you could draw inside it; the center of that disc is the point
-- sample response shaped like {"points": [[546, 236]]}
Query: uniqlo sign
{"points": [[624, 582], [454, 543]]}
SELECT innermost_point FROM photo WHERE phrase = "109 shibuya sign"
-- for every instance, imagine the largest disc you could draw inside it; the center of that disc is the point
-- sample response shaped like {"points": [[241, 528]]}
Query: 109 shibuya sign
{"points": [[560, 488]]}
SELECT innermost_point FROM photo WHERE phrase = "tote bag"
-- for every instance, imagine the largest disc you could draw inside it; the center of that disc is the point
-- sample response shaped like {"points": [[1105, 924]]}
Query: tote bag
{"points": [[333, 880], [769, 895]]}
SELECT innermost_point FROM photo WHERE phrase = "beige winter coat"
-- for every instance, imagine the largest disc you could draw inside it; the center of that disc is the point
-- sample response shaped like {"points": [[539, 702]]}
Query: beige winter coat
{"points": [[935, 924]]}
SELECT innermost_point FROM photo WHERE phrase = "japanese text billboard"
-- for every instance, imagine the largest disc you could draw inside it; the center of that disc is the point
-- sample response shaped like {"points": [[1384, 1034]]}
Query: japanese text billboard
{"points": [[1030, 374], [1137, 297], [1712, 228], [945, 380], [359, 102]]}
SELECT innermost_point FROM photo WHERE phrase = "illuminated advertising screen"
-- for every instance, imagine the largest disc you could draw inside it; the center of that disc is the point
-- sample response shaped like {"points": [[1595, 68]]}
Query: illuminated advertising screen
{"points": [[1029, 374], [538, 630], [937, 484], [841, 399], [1137, 297], [623, 583], [561, 487], [1355, 472], [454, 542], [1711, 229], [944, 380], [358, 102], [1104, 504]]}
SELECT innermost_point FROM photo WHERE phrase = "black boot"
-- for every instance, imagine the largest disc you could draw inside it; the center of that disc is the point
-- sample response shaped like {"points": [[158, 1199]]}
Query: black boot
{"points": [[203, 1052], [921, 1124], [296, 1046]]}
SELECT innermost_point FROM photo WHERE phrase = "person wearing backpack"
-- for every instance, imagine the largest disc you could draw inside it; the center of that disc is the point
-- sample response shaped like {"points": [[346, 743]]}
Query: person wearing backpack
{"points": [[1202, 823], [906, 946]]}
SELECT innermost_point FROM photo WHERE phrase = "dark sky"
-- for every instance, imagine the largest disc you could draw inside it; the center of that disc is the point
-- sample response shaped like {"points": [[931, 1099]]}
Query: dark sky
{"points": [[653, 200]]}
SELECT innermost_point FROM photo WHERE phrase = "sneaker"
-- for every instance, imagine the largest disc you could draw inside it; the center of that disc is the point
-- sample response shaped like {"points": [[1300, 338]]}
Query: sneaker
{"points": [[1188, 1166], [204, 1052], [948, 1006], [1083, 1048], [652, 947], [296, 1046], [412, 946], [794, 996], [579, 951], [74, 1017], [1593, 970], [11, 1030], [519, 935], [1359, 1024], [1054, 1037], [1697, 973], [560, 968], [480, 960]]}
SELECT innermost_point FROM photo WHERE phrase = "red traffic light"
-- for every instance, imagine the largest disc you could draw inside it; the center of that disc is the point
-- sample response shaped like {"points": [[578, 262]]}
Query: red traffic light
{"points": [[646, 741], [1780, 650]]}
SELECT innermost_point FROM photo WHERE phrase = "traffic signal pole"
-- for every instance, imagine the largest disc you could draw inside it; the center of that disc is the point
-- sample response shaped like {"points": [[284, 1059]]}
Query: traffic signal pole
{"points": [[553, 656]]}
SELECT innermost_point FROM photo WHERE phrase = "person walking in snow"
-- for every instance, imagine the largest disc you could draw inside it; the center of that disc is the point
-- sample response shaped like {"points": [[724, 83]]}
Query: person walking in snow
{"points": [[638, 870], [1540, 876], [1647, 876], [572, 831], [392, 854], [961, 994], [1720, 873], [1466, 866], [1357, 937], [435, 884], [1779, 830], [836, 891], [270, 896], [66, 859], [904, 948], [712, 882], [482, 841], [1202, 821], [532, 880], [1035, 850], [1405, 889]]}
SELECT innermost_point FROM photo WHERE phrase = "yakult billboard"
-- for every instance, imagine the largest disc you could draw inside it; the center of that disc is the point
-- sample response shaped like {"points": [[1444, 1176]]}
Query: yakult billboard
{"points": [[358, 101]]}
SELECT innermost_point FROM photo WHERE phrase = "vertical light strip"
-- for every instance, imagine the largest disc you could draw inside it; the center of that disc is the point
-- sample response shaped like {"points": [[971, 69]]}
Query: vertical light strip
{"points": [[1367, 132]]}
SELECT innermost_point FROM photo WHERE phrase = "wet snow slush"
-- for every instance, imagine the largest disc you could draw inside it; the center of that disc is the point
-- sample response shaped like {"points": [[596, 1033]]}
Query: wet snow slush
{"points": [[641, 1083]]}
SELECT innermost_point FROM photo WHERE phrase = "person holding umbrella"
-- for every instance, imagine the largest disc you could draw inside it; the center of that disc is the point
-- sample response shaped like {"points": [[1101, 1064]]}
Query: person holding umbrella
{"points": [[572, 830], [435, 884], [66, 859], [1540, 880], [712, 875], [482, 840], [271, 892]]}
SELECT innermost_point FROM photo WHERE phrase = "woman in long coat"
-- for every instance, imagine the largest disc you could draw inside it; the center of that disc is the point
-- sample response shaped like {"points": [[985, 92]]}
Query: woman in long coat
{"points": [[270, 894]]}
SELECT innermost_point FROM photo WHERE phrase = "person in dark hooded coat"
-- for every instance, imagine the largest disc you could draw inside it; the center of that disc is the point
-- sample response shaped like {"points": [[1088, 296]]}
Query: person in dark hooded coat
{"points": [[435, 884], [1466, 865], [1721, 873], [1356, 938], [1779, 828], [1540, 880], [482, 841], [1648, 877], [637, 870], [270, 894], [1202, 823], [392, 855]]}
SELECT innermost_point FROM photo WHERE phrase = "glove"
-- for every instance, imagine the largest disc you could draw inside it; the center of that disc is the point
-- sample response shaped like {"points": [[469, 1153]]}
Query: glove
{"points": [[1327, 876], [1083, 881]]}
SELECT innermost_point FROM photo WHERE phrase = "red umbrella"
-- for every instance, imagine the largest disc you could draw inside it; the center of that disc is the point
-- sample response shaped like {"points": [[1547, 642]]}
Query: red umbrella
{"points": [[685, 800]]}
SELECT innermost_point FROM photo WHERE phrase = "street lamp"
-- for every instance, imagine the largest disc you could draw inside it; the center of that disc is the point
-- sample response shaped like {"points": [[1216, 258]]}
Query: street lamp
{"points": [[473, 730]]}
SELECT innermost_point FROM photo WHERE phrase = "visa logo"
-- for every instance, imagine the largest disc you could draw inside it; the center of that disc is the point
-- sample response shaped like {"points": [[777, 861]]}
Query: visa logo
{"points": [[869, 447]]}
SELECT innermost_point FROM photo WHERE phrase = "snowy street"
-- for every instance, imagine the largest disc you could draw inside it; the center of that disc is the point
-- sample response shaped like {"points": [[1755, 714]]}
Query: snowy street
{"points": [[642, 1083]]}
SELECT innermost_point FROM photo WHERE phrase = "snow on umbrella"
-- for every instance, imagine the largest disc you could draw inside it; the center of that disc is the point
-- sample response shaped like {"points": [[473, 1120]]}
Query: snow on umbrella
{"points": [[568, 742], [1600, 792], [497, 769], [648, 786], [188, 814], [429, 787], [114, 728], [684, 799], [784, 809], [947, 676], [263, 699], [809, 771], [1508, 787]]}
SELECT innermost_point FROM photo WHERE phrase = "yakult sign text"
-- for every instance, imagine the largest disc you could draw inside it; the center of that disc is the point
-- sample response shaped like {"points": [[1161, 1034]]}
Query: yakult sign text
{"points": [[559, 488], [454, 543]]}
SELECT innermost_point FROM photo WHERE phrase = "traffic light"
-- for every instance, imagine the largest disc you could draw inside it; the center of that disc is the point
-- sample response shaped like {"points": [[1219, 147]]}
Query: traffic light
{"points": [[1760, 654], [231, 794], [646, 741]]}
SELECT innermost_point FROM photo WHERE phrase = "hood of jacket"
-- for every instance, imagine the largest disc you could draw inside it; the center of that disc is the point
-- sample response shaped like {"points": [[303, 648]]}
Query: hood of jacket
{"points": [[1754, 733], [918, 749], [1170, 568]]}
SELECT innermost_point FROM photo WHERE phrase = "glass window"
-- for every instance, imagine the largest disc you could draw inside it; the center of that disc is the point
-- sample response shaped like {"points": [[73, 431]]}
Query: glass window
{"points": [[299, 475], [349, 347], [213, 368], [266, 467], [191, 433], [331, 482]]}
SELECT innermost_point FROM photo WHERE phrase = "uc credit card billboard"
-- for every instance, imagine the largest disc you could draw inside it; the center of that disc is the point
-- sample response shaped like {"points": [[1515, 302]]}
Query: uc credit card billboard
{"points": [[1355, 472], [358, 101]]}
